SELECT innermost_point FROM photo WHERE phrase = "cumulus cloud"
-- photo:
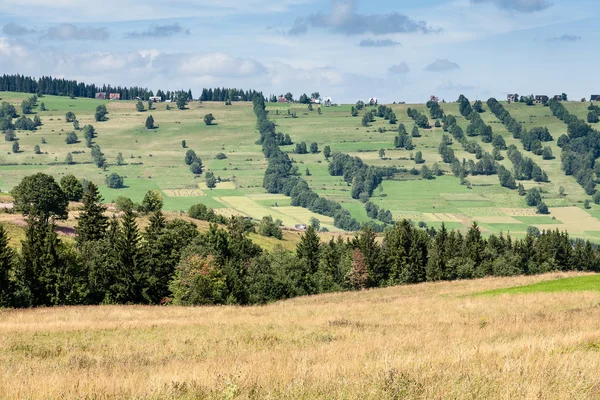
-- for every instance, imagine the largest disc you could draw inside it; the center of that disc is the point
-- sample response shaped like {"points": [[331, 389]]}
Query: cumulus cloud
{"points": [[399, 69], [378, 43], [72, 32], [442, 65], [565, 38], [344, 19], [12, 29], [518, 5], [159, 31]]}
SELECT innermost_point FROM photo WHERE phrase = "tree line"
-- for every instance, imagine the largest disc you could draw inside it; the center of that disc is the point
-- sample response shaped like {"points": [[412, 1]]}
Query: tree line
{"points": [[532, 140], [580, 148], [227, 94], [47, 85], [282, 176], [113, 261], [524, 168]]}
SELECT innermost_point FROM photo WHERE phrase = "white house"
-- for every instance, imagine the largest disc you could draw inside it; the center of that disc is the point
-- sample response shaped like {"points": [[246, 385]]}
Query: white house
{"points": [[156, 99], [328, 102]]}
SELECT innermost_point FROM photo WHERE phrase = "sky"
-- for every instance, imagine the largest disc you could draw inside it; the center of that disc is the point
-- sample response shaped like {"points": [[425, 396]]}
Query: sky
{"points": [[349, 50]]}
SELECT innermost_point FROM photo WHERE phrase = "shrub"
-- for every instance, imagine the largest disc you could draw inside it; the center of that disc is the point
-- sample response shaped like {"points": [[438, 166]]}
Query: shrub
{"points": [[71, 138], [153, 201], [114, 181], [123, 204], [72, 187], [221, 156], [208, 119], [270, 228], [196, 167], [149, 122], [198, 281], [190, 157]]}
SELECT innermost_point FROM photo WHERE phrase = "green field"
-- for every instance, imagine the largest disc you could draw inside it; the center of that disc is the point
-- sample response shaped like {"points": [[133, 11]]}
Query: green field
{"points": [[575, 284], [155, 160]]}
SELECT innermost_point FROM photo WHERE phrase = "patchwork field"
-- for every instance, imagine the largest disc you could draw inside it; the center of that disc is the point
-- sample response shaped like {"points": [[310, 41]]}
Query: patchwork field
{"points": [[155, 160], [529, 337]]}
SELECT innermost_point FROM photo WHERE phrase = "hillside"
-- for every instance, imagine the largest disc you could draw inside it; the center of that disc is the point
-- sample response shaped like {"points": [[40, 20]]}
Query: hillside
{"points": [[419, 342], [154, 159]]}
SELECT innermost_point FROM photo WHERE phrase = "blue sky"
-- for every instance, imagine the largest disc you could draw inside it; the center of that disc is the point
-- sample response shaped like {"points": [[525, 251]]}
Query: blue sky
{"points": [[347, 49]]}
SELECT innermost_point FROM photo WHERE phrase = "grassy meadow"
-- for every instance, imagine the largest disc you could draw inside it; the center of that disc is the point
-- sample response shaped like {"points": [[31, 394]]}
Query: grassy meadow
{"points": [[429, 341], [154, 160]]}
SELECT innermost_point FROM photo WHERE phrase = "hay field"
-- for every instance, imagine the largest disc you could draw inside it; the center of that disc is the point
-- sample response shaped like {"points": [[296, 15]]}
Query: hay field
{"points": [[431, 341]]}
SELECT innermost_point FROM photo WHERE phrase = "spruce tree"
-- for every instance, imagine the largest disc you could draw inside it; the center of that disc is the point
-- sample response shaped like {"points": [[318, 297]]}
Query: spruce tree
{"points": [[6, 260], [92, 222], [309, 252], [131, 274]]}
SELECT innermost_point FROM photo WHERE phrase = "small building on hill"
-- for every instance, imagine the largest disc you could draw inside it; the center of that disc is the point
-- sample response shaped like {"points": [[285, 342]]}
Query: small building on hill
{"points": [[101, 96], [282, 99], [541, 99], [595, 97], [511, 98], [434, 98], [115, 96], [558, 97], [315, 101], [156, 99], [328, 102], [300, 227]]}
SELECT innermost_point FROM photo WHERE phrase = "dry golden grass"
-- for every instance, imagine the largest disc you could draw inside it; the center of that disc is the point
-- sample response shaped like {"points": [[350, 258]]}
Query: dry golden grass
{"points": [[415, 342]]}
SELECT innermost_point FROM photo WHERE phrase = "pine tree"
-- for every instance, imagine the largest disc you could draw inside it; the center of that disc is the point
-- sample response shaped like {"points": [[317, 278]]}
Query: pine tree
{"points": [[131, 274], [309, 252], [6, 264], [92, 223], [39, 261]]}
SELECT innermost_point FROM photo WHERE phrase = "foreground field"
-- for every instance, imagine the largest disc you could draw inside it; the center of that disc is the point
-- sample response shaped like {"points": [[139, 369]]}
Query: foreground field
{"points": [[416, 342]]}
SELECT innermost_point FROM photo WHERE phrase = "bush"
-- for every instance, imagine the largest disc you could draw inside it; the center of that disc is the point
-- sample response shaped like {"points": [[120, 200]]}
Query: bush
{"points": [[101, 113], [72, 187], [198, 281], [114, 181], [208, 119], [196, 168], [123, 204], [153, 201], [71, 138], [270, 228], [149, 122], [203, 213], [542, 208], [10, 135], [190, 157], [221, 156]]}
